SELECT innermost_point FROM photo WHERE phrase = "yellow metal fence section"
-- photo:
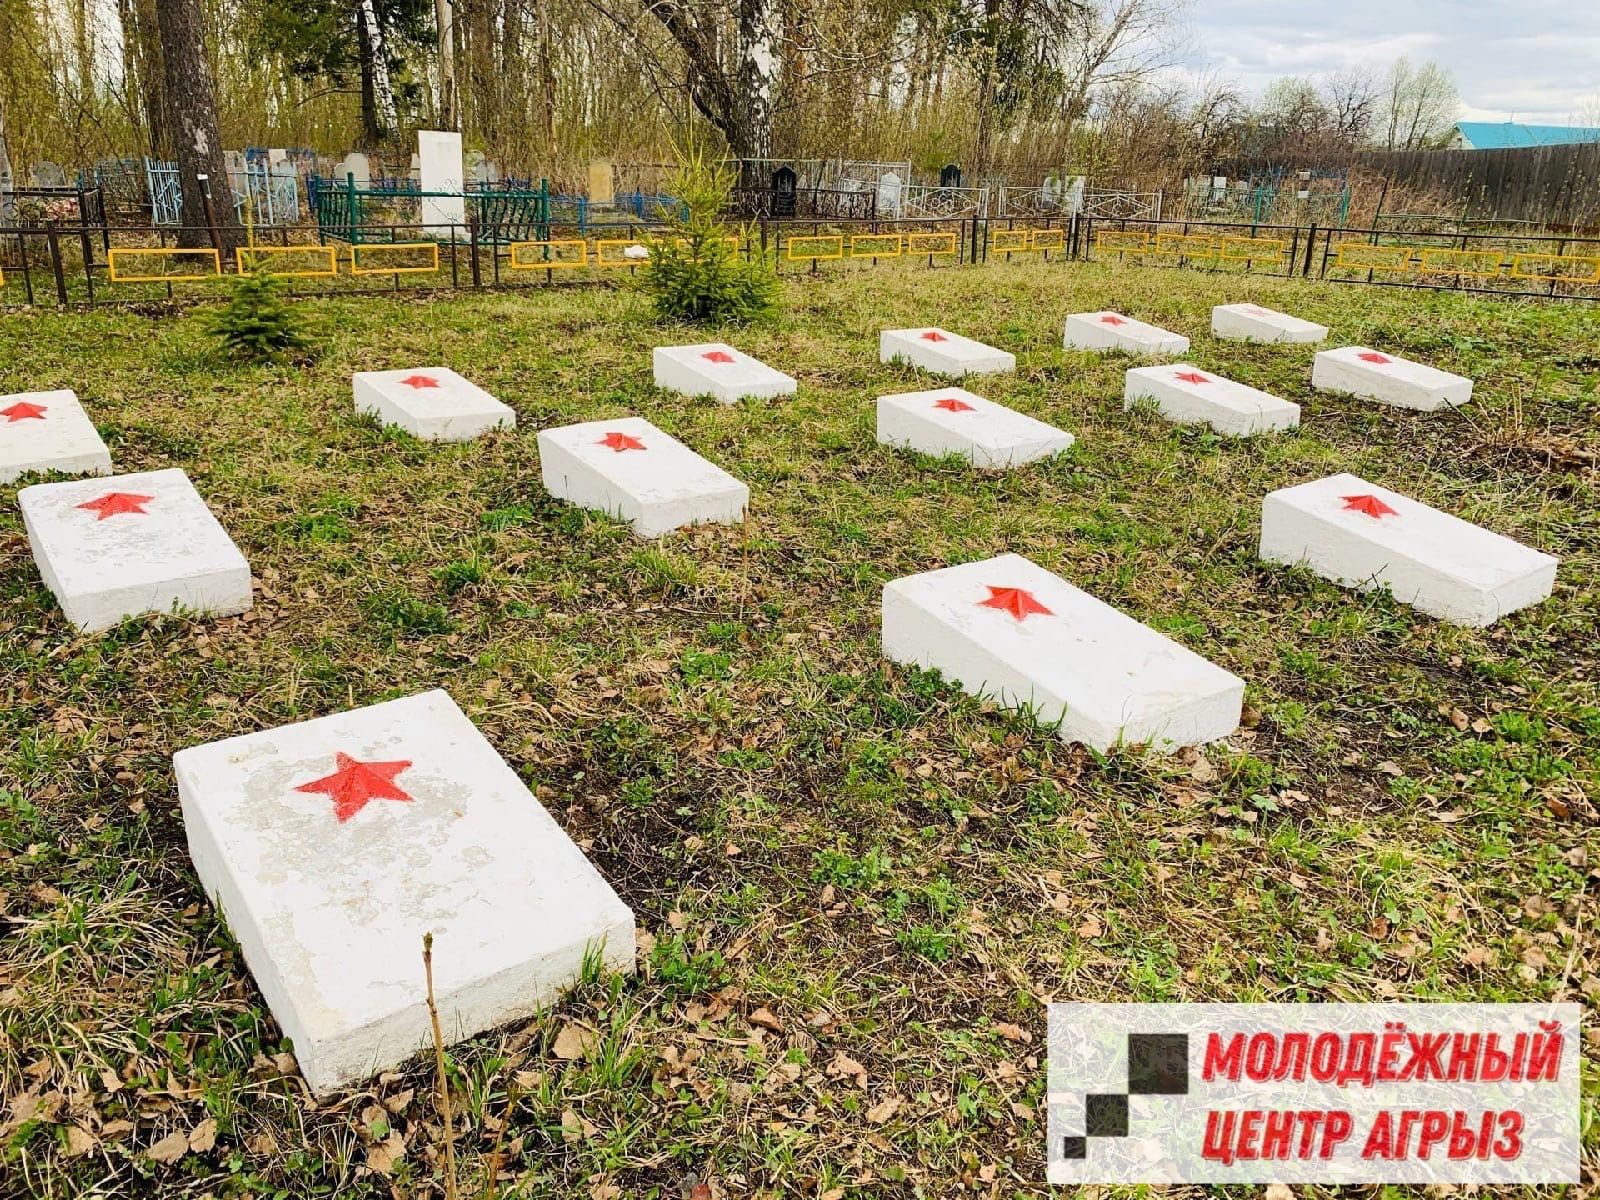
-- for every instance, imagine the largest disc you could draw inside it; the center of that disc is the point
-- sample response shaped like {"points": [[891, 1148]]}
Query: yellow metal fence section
{"points": [[944, 242], [367, 250], [251, 258], [119, 274], [819, 248], [550, 250], [876, 245]]}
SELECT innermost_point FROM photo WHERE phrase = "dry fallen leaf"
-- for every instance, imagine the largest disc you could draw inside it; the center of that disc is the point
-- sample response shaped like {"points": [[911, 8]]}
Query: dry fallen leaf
{"points": [[383, 1156], [1012, 1033], [79, 1141], [765, 1018], [1279, 1191], [203, 1136], [845, 1067], [575, 1128], [1091, 927], [170, 1148], [574, 1041], [883, 1110]]}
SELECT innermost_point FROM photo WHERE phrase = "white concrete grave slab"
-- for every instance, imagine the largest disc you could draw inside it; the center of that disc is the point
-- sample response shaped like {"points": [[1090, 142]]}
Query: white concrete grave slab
{"points": [[332, 846], [1113, 331], [132, 544], [717, 370], [943, 352], [632, 470], [1253, 323], [1007, 628], [433, 403], [1189, 396], [955, 421], [49, 431], [1373, 375], [1364, 536]]}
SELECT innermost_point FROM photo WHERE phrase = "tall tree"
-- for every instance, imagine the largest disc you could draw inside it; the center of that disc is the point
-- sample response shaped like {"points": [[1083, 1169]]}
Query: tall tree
{"points": [[198, 143]]}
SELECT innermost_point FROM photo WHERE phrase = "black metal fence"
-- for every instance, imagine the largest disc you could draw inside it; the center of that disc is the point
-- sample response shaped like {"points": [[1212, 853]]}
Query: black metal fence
{"points": [[68, 263]]}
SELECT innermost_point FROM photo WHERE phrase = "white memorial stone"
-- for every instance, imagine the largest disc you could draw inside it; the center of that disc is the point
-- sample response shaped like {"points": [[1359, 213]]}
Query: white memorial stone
{"points": [[132, 544], [433, 403], [1252, 323], [955, 421], [943, 352], [1113, 331], [1190, 396], [719, 371], [1372, 375], [332, 846], [1007, 628], [632, 470], [440, 169], [1363, 536], [49, 431]]}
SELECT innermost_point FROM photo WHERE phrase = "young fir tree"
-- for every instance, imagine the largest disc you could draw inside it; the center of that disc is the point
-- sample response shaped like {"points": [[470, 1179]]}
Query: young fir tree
{"points": [[695, 271], [258, 323]]}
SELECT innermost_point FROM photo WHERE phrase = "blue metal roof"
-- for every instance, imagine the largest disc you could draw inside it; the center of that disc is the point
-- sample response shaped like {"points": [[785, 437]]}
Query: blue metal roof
{"points": [[1505, 135]]}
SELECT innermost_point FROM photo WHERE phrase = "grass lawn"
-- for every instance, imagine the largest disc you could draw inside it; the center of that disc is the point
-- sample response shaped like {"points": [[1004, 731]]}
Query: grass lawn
{"points": [[858, 888]]}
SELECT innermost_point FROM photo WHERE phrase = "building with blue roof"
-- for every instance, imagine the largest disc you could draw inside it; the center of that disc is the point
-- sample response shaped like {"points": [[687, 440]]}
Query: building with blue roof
{"points": [[1508, 135]]}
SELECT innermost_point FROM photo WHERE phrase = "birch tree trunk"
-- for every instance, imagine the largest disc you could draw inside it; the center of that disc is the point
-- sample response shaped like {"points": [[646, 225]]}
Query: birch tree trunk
{"points": [[758, 77], [444, 15], [375, 55], [192, 96]]}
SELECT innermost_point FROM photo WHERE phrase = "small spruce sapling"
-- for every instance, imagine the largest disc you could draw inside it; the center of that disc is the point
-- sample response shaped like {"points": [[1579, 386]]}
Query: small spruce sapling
{"points": [[695, 271], [259, 323]]}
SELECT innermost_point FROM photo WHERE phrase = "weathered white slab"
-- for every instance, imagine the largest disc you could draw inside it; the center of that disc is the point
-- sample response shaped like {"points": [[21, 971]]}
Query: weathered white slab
{"points": [[49, 431], [1113, 331], [1364, 536], [1190, 396], [433, 403], [717, 370], [332, 846], [1007, 628], [1372, 375], [943, 352], [132, 544], [631, 469], [1252, 323], [955, 421]]}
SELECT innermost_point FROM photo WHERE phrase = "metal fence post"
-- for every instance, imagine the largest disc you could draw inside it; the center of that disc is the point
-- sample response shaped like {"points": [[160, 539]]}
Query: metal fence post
{"points": [[54, 240], [1311, 241], [472, 238]]}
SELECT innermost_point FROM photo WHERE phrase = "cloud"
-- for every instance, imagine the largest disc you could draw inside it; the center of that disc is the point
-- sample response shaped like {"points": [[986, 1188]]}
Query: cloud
{"points": [[1533, 60]]}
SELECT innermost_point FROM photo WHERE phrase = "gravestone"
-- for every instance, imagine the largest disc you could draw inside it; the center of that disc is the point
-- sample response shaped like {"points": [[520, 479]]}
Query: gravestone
{"points": [[49, 175], [440, 170], [942, 352], [1007, 629], [1113, 331], [276, 155], [630, 469], [1363, 536], [432, 403], [333, 846], [950, 176], [1252, 323], [890, 188], [130, 545], [354, 166], [602, 186], [784, 183], [717, 370], [1372, 375], [49, 431], [1189, 396], [955, 421]]}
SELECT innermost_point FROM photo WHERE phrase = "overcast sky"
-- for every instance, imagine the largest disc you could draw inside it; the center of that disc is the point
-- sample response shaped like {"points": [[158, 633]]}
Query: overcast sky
{"points": [[1536, 61]]}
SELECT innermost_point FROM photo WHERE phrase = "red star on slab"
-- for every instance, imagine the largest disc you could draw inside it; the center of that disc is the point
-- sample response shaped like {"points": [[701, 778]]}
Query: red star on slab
{"points": [[115, 503], [717, 356], [620, 442], [1191, 377], [933, 335], [1370, 505], [1019, 602], [1112, 319], [354, 784], [951, 404], [1372, 356], [420, 381], [22, 411]]}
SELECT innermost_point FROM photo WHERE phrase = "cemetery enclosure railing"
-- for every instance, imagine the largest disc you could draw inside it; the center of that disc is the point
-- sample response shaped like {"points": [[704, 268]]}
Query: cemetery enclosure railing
{"points": [[69, 264], [1500, 264]]}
